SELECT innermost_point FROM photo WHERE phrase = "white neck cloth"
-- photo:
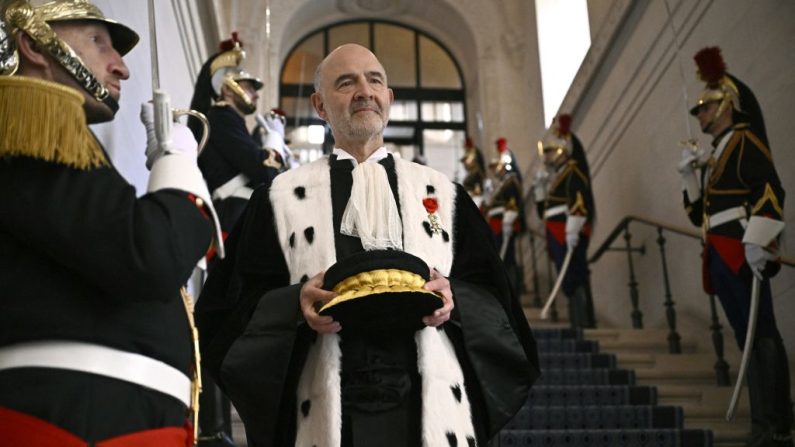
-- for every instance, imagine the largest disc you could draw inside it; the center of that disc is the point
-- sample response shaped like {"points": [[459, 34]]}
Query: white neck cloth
{"points": [[371, 213]]}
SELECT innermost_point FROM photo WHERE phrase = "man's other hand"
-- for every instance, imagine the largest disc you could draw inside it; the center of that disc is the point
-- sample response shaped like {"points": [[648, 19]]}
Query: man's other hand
{"points": [[312, 298], [440, 285]]}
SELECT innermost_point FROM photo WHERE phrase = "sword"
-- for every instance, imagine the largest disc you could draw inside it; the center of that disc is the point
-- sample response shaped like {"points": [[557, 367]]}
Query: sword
{"points": [[691, 142], [164, 114], [749, 345], [558, 283]]}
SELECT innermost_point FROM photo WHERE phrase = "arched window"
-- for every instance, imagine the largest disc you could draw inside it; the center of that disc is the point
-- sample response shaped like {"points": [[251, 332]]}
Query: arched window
{"points": [[429, 113]]}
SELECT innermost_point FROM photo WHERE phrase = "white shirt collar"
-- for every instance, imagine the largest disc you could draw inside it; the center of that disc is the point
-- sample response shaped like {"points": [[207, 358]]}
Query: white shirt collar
{"points": [[380, 154]]}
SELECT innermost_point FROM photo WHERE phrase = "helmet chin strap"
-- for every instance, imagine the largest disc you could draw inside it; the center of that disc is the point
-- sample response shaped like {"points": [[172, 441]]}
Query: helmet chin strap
{"points": [[726, 101], [112, 104], [248, 105]]}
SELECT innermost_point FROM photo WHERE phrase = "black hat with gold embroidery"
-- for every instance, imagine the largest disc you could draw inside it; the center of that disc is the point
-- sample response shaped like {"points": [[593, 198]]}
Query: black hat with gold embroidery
{"points": [[380, 290]]}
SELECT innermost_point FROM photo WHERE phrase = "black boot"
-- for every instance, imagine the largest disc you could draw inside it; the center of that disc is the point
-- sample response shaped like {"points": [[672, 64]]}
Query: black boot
{"points": [[769, 393], [579, 315], [214, 417]]}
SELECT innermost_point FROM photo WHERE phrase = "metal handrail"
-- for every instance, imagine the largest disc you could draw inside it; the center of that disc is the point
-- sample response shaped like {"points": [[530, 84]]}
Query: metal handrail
{"points": [[605, 246]]}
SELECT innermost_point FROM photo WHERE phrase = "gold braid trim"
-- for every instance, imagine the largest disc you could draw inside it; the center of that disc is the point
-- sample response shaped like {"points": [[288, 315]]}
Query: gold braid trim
{"points": [[579, 206], [768, 196], [46, 121], [377, 282]]}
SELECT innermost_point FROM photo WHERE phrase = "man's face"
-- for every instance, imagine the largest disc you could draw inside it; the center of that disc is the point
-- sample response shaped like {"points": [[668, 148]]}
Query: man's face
{"points": [[706, 115], [92, 43], [354, 98]]}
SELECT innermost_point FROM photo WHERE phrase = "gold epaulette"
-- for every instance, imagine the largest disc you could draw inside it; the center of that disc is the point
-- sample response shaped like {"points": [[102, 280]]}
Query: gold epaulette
{"points": [[46, 121]]}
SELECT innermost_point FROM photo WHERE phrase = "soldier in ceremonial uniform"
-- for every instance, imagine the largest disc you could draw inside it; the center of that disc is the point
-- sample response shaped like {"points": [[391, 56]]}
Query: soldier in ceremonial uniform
{"points": [[504, 210], [733, 192], [301, 378], [96, 346], [475, 181], [562, 191], [235, 161]]}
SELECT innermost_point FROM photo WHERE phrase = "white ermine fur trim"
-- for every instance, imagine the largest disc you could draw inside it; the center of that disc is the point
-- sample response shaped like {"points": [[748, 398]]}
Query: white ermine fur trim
{"points": [[319, 404], [413, 182], [442, 387], [293, 216]]}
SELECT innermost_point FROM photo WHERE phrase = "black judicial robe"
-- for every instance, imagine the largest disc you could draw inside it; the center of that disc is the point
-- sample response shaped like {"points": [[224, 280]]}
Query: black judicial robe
{"points": [[255, 340]]}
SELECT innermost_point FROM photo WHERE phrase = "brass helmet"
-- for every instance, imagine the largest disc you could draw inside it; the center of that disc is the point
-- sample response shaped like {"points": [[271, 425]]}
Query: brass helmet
{"points": [[504, 163], [719, 88], [557, 139], [21, 15], [728, 91], [225, 70]]}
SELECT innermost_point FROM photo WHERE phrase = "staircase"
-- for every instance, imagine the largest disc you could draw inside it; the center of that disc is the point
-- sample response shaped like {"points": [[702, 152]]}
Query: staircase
{"points": [[621, 387]]}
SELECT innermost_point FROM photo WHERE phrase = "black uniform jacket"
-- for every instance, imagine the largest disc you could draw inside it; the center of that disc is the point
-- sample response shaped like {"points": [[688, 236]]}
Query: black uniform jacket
{"points": [[231, 150], [570, 187], [743, 175], [254, 337], [85, 260]]}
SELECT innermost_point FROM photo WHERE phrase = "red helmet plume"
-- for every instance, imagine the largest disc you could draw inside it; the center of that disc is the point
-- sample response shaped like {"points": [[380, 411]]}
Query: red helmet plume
{"points": [[711, 67]]}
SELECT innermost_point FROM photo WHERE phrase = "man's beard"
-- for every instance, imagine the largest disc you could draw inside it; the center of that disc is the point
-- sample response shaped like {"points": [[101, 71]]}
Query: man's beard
{"points": [[362, 126]]}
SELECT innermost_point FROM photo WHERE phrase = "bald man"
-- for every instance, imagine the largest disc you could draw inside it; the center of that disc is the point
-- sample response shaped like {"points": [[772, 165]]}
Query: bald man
{"points": [[299, 378]]}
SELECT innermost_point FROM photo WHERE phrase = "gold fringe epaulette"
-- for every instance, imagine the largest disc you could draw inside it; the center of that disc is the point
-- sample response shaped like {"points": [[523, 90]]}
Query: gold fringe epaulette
{"points": [[46, 121]]}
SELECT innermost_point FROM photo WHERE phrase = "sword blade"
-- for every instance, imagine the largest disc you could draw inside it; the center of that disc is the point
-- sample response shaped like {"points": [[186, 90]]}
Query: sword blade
{"points": [[153, 46], [749, 346], [563, 269]]}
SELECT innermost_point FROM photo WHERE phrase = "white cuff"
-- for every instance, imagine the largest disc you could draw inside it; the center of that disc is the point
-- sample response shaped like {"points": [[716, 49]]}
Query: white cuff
{"points": [[575, 223], [691, 186], [508, 217], [178, 171], [762, 230]]}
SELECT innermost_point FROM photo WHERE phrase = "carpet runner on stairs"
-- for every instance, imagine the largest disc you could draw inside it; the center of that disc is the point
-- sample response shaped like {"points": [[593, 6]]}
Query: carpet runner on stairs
{"points": [[582, 399]]}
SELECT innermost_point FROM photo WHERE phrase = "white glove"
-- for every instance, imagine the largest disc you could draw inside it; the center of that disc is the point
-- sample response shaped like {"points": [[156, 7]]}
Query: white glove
{"points": [[757, 258], [687, 167], [181, 138], [274, 131], [540, 184], [574, 225]]}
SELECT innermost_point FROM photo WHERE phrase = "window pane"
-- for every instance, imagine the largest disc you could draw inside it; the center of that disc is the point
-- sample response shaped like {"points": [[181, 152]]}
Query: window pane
{"points": [[394, 47], [437, 70], [301, 147], [353, 33], [403, 111], [446, 112], [398, 132], [300, 67], [298, 107], [443, 150]]}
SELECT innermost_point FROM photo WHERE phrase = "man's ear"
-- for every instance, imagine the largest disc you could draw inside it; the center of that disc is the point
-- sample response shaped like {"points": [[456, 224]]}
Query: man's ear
{"points": [[30, 52], [391, 96], [317, 103]]}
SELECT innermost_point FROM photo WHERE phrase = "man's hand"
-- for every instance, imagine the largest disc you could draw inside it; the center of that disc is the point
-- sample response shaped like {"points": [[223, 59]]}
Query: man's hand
{"points": [[181, 139], [312, 298], [441, 285], [757, 258]]}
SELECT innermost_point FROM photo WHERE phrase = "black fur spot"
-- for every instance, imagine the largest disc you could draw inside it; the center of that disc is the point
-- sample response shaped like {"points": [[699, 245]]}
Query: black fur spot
{"points": [[471, 441], [430, 189], [310, 234], [305, 406], [300, 192], [452, 439], [304, 278], [456, 389], [427, 226], [445, 236], [292, 240]]}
